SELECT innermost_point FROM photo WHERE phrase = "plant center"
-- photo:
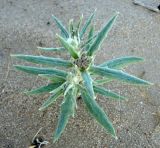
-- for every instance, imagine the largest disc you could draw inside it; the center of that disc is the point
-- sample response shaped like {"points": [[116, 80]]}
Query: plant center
{"points": [[82, 62]]}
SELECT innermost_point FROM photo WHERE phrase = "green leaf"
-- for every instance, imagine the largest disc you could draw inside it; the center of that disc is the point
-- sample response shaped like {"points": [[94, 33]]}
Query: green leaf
{"points": [[43, 89], [71, 27], [55, 94], [53, 78], [69, 47], [79, 25], [101, 36], [89, 41], [90, 36], [118, 75], [88, 83], [44, 60], [36, 70], [61, 27], [52, 49], [98, 113], [86, 25], [67, 109], [108, 93], [74, 98], [103, 81], [68, 87], [121, 62], [117, 63]]}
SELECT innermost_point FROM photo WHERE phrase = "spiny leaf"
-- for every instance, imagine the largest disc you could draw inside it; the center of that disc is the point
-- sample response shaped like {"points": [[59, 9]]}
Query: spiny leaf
{"points": [[69, 47], [108, 93], [88, 83], [101, 36], [52, 49], [67, 109], [118, 74], [90, 36], [43, 89], [121, 62], [61, 27], [98, 113], [36, 70], [53, 78], [86, 25], [56, 93], [44, 60]]}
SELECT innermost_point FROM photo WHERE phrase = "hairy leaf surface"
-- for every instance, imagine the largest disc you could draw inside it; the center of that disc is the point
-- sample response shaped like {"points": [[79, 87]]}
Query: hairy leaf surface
{"points": [[51, 49], [88, 82], [103, 81], [44, 89], [69, 47], [89, 41], [97, 112], [61, 27], [121, 62], [101, 36], [44, 60], [67, 109], [53, 78], [37, 70], [90, 36], [117, 74], [55, 94], [107, 93], [86, 25]]}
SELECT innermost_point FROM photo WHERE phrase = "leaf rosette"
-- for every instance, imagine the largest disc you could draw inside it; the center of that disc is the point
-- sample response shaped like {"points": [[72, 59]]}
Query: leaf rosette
{"points": [[81, 77]]}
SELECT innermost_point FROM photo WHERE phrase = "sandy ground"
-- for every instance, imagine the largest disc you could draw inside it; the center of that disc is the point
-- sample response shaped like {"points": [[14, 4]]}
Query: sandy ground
{"points": [[24, 25]]}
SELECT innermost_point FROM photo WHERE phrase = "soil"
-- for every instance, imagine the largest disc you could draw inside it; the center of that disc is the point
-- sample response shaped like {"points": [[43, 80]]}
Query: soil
{"points": [[24, 25]]}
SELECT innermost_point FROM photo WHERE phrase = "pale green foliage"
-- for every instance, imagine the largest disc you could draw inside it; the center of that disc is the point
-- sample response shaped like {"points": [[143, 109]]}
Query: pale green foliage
{"points": [[80, 77]]}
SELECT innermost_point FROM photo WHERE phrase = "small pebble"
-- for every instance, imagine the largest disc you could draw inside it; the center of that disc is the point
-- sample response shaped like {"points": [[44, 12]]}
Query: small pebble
{"points": [[48, 23]]}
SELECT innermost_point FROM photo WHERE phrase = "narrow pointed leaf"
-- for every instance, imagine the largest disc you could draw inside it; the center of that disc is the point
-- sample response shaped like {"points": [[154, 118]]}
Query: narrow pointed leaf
{"points": [[71, 27], [88, 83], [51, 49], [53, 78], [107, 93], [118, 75], [103, 81], [74, 98], [101, 36], [98, 113], [68, 87], [67, 109], [121, 62], [69, 47], [86, 25], [90, 36], [55, 94], [36, 70], [44, 60], [43, 89], [61, 27], [89, 41], [79, 25]]}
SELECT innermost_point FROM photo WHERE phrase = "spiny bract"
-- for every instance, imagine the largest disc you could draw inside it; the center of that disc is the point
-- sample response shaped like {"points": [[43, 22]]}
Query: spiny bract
{"points": [[82, 77]]}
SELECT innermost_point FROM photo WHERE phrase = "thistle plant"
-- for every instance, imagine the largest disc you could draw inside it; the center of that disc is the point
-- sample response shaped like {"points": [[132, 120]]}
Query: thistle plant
{"points": [[81, 77]]}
